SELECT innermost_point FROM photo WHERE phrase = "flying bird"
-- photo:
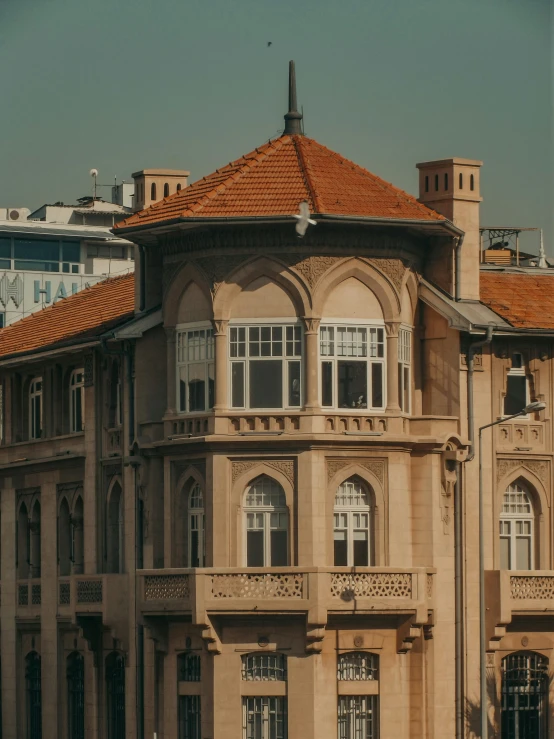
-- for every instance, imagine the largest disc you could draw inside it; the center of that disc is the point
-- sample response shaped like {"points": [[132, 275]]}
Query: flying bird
{"points": [[269, 43], [303, 220]]}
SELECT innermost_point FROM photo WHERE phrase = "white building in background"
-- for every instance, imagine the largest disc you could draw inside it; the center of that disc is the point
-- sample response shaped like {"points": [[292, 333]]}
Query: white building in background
{"points": [[58, 250]]}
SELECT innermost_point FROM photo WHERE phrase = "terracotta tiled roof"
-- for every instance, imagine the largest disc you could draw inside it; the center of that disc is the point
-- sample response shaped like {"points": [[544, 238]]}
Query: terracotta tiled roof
{"points": [[274, 179], [87, 314], [524, 300]]}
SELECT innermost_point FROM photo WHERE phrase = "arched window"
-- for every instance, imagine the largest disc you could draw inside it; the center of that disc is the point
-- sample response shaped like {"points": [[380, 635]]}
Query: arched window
{"points": [[267, 523], [166, 190], [35, 540], [426, 183], [115, 530], [33, 691], [524, 710], [77, 538], [196, 527], [35, 408], [446, 181], [153, 191], [353, 525], [436, 183], [75, 672], [64, 539], [517, 540], [178, 186], [115, 694], [265, 666], [358, 666], [77, 400], [23, 542], [472, 182], [188, 667], [461, 181]]}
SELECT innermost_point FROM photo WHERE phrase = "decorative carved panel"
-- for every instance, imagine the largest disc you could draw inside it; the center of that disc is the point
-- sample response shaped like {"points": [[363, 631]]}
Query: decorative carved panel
{"points": [[166, 587], [531, 587], [394, 269], [89, 591], [258, 586], [284, 466], [376, 466], [371, 585], [538, 467], [312, 268], [216, 270]]}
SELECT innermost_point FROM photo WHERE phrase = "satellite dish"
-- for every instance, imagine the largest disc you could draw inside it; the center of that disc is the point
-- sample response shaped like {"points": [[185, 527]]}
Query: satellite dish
{"points": [[303, 219]]}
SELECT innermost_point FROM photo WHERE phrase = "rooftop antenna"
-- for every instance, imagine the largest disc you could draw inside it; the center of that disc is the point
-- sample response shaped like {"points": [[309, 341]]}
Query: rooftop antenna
{"points": [[94, 174], [293, 119], [543, 264]]}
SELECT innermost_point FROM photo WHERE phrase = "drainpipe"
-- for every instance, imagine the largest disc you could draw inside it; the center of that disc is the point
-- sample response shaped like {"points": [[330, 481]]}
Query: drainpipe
{"points": [[458, 267], [470, 370], [142, 277], [458, 604]]}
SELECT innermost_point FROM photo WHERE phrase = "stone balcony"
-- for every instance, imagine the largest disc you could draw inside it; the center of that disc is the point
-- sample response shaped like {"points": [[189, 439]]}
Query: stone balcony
{"points": [[511, 594], [315, 593]]}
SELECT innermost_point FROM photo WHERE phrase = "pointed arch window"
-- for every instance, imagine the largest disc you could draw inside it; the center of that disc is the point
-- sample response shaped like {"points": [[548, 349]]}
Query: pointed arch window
{"points": [[64, 539], [353, 524], [115, 694], [153, 191], [267, 524], [517, 529], [75, 673], [114, 544], [35, 548], [33, 690], [166, 190], [77, 400], [524, 696], [35, 408], [23, 542], [196, 538]]}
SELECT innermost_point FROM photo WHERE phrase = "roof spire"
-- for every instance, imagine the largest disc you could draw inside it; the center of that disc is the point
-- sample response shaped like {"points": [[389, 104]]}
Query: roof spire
{"points": [[293, 117]]}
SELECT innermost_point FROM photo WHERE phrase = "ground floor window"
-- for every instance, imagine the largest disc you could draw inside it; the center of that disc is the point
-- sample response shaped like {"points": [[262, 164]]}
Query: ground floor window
{"points": [[524, 696], [264, 718], [190, 720], [358, 717]]}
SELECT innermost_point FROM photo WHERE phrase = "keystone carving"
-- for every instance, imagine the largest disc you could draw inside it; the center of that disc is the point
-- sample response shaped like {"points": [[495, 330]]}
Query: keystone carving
{"points": [[284, 466], [376, 466], [536, 466]]}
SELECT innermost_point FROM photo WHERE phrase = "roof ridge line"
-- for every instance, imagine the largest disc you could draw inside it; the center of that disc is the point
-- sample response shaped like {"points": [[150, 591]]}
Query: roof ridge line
{"points": [[258, 156], [306, 175]]}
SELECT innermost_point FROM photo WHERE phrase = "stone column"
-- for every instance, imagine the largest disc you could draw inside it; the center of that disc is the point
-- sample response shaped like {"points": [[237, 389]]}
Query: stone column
{"points": [[49, 608], [93, 409], [393, 405], [311, 393], [8, 634], [221, 365], [171, 367]]}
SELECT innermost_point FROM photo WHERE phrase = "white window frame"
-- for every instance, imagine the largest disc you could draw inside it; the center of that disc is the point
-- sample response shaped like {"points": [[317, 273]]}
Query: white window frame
{"points": [[286, 359], [35, 398], [261, 516], [517, 372], [334, 358], [405, 369], [196, 522], [273, 713], [347, 518], [518, 497], [205, 358], [76, 388]]}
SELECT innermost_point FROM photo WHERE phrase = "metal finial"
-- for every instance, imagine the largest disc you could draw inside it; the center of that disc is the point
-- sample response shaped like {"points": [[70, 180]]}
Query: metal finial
{"points": [[293, 126]]}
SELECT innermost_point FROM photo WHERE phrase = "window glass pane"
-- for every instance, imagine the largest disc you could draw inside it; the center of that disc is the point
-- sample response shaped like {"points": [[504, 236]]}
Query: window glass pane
{"points": [[505, 553], [406, 376], [523, 553], [78, 400], [5, 248], [37, 249], [182, 388], [71, 251], [352, 384], [361, 557], [194, 550], [294, 383], [211, 385], [197, 387], [516, 394], [237, 384], [341, 549], [376, 385], [37, 266], [326, 384], [266, 384], [279, 556], [255, 548]]}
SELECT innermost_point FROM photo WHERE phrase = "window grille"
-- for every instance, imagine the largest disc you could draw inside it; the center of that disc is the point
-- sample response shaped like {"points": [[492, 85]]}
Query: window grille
{"points": [[264, 667], [35, 408], [264, 718], [524, 696], [34, 695], [358, 666], [517, 530], [352, 366], [358, 717], [267, 517], [77, 400], [190, 717], [266, 366], [195, 370], [353, 524], [76, 696], [115, 689], [189, 667]]}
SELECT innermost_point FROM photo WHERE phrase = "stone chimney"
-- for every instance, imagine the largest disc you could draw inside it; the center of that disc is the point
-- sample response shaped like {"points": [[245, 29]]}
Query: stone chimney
{"points": [[152, 185], [452, 188]]}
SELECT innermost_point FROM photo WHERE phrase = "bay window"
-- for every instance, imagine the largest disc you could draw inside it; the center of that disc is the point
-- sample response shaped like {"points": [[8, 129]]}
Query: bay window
{"points": [[195, 369], [266, 366], [404, 371], [352, 367]]}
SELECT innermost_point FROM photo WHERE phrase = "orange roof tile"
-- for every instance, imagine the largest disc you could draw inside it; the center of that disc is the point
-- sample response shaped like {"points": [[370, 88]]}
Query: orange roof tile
{"points": [[273, 179], [87, 314], [524, 300]]}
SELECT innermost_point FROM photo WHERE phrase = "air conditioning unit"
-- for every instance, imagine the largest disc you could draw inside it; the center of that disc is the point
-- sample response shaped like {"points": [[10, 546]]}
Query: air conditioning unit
{"points": [[17, 214]]}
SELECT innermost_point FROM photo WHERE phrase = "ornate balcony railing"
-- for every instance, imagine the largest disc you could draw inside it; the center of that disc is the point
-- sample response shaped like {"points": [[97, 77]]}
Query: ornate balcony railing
{"points": [[29, 593]]}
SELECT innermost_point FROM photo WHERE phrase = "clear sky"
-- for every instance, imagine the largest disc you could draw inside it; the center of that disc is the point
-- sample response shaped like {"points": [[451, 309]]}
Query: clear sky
{"points": [[125, 84]]}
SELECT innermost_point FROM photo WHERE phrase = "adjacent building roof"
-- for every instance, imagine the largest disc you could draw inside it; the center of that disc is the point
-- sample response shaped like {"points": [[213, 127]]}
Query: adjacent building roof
{"points": [[273, 179], [86, 315], [524, 299]]}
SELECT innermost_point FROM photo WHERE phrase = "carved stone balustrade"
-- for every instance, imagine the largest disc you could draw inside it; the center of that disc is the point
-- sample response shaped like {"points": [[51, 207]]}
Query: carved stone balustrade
{"points": [[29, 597], [113, 442]]}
